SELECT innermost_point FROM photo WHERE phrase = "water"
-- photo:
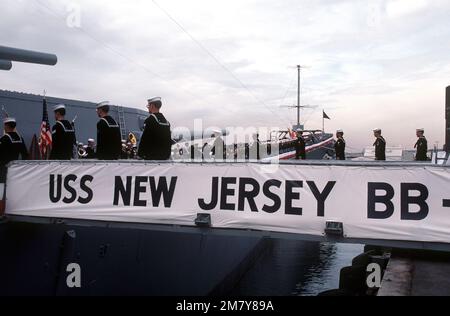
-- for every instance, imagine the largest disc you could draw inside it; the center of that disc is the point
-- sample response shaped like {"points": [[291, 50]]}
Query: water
{"points": [[297, 268]]}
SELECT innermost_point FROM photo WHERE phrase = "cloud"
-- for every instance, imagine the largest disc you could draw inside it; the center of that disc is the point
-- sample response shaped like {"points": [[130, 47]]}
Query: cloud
{"points": [[398, 8]]}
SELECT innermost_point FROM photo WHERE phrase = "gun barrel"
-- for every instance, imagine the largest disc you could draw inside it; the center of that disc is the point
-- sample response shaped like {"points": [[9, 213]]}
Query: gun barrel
{"points": [[5, 64], [27, 56]]}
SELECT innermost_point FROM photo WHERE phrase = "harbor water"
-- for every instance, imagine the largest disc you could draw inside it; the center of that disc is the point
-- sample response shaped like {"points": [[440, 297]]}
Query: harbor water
{"points": [[297, 268]]}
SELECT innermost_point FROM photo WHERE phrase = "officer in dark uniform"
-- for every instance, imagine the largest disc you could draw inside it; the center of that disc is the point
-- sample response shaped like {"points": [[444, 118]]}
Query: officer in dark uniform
{"points": [[256, 148], [63, 136], [109, 139], [12, 144], [300, 146], [421, 145], [156, 141], [339, 146], [380, 145]]}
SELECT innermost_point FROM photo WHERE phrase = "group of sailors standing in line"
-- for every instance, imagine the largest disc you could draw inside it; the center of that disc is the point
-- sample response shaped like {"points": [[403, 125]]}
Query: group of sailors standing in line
{"points": [[156, 141], [421, 145]]}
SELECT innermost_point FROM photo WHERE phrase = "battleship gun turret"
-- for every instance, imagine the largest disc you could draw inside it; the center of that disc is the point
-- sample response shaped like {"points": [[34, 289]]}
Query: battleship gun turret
{"points": [[5, 64], [9, 54]]}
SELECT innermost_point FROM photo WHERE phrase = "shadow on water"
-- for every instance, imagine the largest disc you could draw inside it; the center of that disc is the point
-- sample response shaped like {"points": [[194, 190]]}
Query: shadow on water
{"points": [[297, 268]]}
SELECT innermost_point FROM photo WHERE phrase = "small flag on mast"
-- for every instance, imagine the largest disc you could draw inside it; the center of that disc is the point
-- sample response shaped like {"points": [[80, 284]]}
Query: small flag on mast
{"points": [[325, 116]]}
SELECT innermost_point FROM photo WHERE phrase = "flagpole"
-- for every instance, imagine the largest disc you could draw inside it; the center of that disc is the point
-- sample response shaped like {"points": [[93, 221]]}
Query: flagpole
{"points": [[323, 121]]}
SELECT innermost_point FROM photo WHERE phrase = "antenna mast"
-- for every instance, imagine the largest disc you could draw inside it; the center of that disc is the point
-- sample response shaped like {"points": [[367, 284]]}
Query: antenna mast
{"points": [[299, 105]]}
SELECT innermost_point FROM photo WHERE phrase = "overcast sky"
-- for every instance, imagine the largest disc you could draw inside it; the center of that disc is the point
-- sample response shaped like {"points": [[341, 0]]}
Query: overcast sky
{"points": [[380, 63]]}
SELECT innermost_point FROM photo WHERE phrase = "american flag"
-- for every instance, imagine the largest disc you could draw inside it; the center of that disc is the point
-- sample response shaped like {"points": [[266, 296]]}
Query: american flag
{"points": [[45, 143]]}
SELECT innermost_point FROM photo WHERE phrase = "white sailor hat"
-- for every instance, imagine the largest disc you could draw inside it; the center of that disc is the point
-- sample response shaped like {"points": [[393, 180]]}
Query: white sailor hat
{"points": [[102, 104], [9, 120], [91, 140], [155, 99], [59, 107], [377, 130], [340, 131], [420, 130]]}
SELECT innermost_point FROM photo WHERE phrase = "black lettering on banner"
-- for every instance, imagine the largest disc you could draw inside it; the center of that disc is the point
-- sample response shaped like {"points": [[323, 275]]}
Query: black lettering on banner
{"points": [[214, 197], [56, 190], [121, 190], [248, 195], [86, 189], [420, 200], [73, 193], [225, 192], [55, 198], [321, 197], [373, 199], [275, 198], [291, 196], [163, 190], [138, 189]]}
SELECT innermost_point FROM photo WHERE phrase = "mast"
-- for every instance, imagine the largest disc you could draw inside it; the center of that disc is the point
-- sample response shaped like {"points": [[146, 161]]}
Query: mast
{"points": [[299, 105]]}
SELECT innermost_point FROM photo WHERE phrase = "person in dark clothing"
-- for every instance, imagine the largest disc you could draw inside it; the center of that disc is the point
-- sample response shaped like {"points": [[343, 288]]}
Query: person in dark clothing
{"points": [[63, 136], [256, 148], [206, 151], [195, 152], [12, 145], [247, 151], [90, 150], [339, 146], [156, 141], [300, 146], [380, 145], [421, 146], [109, 139], [218, 151]]}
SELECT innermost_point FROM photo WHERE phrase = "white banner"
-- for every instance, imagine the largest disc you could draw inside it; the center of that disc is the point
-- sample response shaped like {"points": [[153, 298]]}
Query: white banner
{"points": [[406, 203]]}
